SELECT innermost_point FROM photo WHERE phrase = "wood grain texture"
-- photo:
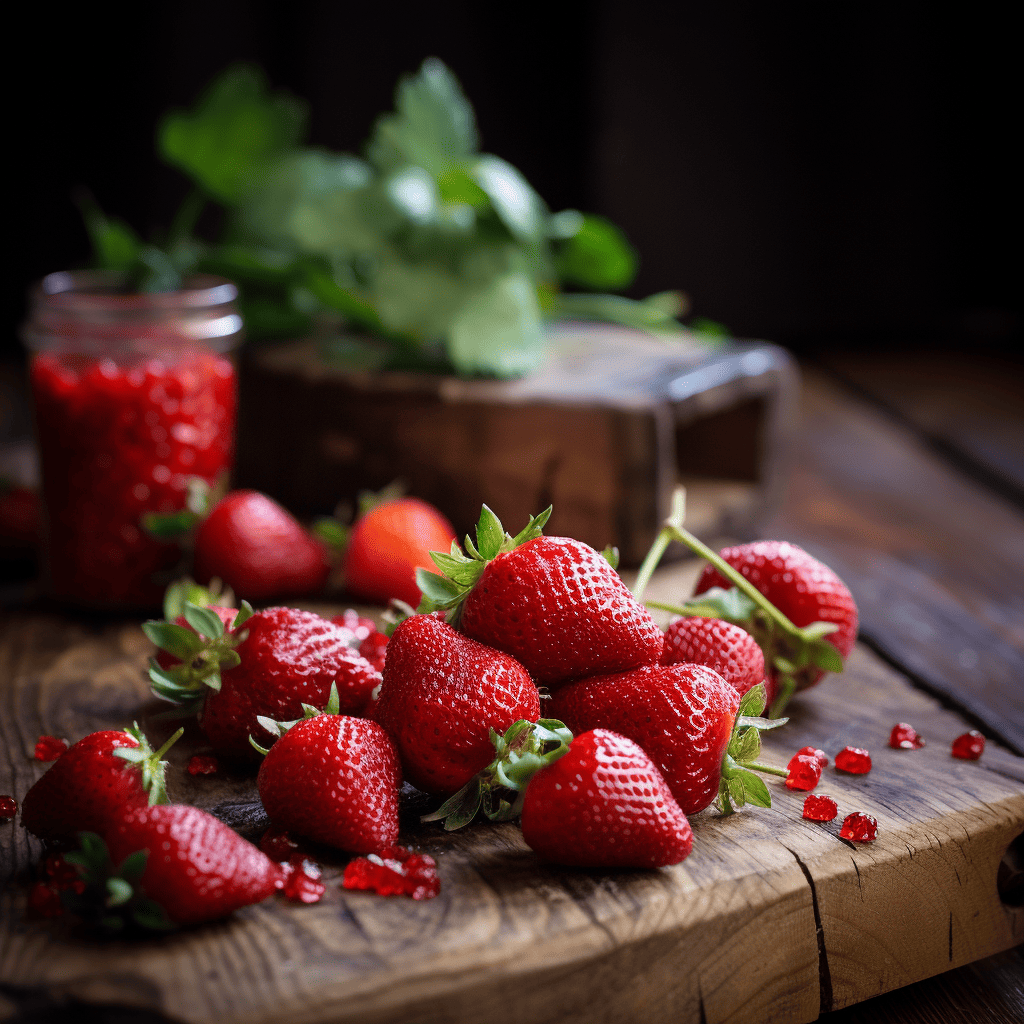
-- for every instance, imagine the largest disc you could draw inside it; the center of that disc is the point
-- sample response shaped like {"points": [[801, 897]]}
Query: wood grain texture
{"points": [[772, 918], [934, 560]]}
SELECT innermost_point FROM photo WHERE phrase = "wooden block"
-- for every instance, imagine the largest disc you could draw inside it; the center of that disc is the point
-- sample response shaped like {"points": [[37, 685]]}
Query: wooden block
{"points": [[603, 431]]}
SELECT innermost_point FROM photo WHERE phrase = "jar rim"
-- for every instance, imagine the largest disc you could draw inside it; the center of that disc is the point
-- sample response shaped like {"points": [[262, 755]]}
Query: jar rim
{"points": [[103, 291]]}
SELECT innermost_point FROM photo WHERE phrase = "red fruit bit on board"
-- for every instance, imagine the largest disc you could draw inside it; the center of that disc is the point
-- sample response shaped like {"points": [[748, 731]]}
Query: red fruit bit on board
{"points": [[969, 746], [280, 845], [821, 756], [905, 737], [804, 772], [854, 760], [44, 901], [8, 808], [203, 764], [395, 871], [301, 881], [861, 828], [49, 748], [820, 808]]}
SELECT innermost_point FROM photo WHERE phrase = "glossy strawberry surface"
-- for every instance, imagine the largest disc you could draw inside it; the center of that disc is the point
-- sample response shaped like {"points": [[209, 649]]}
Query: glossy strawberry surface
{"points": [[259, 549], [802, 588], [682, 716], [388, 544], [604, 804], [198, 869], [118, 440], [334, 779], [442, 694], [289, 658], [84, 788], [559, 608], [727, 648]]}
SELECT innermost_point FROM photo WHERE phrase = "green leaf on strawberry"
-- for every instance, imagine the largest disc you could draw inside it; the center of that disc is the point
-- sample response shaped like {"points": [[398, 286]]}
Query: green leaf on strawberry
{"points": [[461, 571], [520, 752], [149, 762], [278, 729]]}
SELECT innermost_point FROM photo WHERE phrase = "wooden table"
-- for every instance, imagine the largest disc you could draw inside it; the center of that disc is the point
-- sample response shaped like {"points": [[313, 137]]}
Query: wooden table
{"points": [[771, 918]]}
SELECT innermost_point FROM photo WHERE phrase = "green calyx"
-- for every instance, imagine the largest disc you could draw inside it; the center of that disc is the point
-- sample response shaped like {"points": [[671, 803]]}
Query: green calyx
{"points": [[460, 569], [278, 729], [739, 785], [498, 790], [109, 898], [149, 763], [187, 591], [793, 652], [203, 651], [200, 500]]}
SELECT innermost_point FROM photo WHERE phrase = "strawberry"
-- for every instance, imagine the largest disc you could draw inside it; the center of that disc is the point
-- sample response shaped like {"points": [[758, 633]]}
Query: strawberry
{"points": [[442, 695], [604, 804], [334, 779], [554, 604], [270, 663], [689, 720], [197, 869], [93, 782], [388, 544], [804, 590], [800, 613], [259, 549], [730, 650]]}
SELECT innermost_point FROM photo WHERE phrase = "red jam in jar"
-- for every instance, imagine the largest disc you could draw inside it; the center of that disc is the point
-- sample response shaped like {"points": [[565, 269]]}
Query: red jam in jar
{"points": [[134, 394]]}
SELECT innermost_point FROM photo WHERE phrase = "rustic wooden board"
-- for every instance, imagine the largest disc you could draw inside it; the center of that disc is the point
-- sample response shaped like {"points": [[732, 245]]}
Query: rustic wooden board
{"points": [[934, 560], [770, 919]]}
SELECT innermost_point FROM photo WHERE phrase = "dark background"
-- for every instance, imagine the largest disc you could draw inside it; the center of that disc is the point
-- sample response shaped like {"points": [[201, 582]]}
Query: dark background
{"points": [[821, 176]]}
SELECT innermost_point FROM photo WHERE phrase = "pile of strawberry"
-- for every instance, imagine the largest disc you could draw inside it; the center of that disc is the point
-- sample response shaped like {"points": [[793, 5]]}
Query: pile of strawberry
{"points": [[640, 727]]}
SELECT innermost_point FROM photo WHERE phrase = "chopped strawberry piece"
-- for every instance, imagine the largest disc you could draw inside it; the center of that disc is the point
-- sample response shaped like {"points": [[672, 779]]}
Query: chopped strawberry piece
{"points": [[280, 845], [203, 764], [859, 827], [395, 871], [905, 737], [301, 882], [820, 808], [854, 760], [816, 752], [8, 808], [804, 772], [969, 746], [49, 748]]}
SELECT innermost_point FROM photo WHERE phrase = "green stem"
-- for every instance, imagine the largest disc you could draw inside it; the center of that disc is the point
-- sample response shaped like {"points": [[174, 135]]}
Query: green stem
{"points": [[184, 223], [768, 769], [650, 563], [170, 743]]}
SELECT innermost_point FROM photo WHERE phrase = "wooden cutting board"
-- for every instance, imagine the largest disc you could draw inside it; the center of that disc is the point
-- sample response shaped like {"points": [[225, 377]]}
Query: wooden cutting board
{"points": [[771, 918]]}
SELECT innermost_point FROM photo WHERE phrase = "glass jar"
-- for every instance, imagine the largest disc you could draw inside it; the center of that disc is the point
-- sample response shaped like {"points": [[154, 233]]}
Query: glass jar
{"points": [[134, 394]]}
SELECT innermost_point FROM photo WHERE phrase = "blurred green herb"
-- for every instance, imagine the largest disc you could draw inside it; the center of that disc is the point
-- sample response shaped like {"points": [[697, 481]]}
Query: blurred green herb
{"points": [[439, 256]]}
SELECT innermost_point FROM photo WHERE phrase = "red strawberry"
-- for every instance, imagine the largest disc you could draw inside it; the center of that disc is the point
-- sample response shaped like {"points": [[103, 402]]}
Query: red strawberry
{"points": [[554, 604], [442, 695], [388, 544], [197, 868], [604, 804], [805, 590], [94, 782], [259, 549], [730, 650], [684, 717], [333, 779], [271, 664]]}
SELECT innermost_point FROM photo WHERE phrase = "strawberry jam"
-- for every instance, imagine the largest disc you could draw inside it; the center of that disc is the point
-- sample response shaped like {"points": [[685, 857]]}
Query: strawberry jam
{"points": [[301, 882], [815, 752], [905, 737], [203, 764], [969, 746], [820, 808], [8, 808], [394, 871], [133, 394], [861, 828], [854, 760]]}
